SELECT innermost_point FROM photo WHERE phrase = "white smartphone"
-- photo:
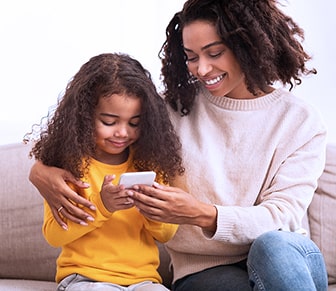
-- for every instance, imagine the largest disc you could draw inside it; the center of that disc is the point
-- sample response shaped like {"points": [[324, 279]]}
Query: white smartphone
{"points": [[132, 178]]}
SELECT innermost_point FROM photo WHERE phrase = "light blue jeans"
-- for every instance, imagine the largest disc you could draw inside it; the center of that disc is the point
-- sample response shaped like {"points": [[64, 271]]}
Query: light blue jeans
{"points": [[76, 282], [277, 261]]}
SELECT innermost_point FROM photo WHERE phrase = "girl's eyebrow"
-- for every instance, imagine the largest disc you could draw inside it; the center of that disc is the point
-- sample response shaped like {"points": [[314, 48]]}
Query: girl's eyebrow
{"points": [[205, 47], [108, 115]]}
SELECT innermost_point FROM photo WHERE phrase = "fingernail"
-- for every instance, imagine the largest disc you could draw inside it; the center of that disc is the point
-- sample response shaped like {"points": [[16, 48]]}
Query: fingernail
{"points": [[92, 207], [64, 226], [90, 218], [83, 223]]}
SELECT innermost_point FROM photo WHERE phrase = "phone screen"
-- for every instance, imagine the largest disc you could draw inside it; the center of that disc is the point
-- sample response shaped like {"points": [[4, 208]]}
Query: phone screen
{"points": [[132, 178]]}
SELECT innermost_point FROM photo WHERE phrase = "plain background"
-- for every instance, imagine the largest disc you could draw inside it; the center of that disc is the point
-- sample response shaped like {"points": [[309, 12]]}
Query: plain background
{"points": [[44, 42]]}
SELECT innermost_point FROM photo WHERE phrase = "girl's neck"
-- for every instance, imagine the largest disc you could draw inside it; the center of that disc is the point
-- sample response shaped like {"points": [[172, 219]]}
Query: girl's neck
{"points": [[112, 159]]}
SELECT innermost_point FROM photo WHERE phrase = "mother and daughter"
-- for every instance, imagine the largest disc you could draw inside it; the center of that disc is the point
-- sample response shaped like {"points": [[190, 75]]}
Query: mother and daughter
{"points": [[238, 181]]}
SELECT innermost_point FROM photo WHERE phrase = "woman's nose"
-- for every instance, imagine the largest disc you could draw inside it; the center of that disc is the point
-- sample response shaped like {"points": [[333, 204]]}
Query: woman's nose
{"points": [[203, 68]]}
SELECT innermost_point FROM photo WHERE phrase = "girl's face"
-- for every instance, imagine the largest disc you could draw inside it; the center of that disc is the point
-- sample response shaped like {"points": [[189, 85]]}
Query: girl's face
{"points": [[116, 127], [213, 63]]}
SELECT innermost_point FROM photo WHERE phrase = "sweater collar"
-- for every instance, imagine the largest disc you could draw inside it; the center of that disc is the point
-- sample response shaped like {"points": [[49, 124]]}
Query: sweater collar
{"points": [[242, 104]]}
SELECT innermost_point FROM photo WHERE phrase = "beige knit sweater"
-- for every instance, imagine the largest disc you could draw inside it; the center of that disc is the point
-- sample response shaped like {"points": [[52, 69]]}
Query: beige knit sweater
{"points": [[257, 160]]}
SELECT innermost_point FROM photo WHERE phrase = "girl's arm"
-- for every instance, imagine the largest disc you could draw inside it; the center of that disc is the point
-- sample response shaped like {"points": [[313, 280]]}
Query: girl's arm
{"points": [[51, 183], [160, 231], [58, 236]]}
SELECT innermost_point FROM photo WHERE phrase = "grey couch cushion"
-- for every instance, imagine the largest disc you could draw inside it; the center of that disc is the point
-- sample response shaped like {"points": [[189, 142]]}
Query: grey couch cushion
{"points": [[26, 285], [322, 217], [24, 253]]}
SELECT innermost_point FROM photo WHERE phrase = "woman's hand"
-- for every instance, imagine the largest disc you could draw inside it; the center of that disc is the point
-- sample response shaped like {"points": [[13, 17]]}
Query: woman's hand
{"points": [[173, 205], [51, 183], [114, 197]]}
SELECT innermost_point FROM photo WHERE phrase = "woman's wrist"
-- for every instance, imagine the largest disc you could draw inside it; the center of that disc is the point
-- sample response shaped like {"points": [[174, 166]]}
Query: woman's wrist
{"points": [[207, 219]]}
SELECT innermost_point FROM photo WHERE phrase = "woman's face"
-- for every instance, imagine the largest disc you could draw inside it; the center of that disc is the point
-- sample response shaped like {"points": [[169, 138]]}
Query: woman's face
{"points": [[116, 127], [213, 63]]}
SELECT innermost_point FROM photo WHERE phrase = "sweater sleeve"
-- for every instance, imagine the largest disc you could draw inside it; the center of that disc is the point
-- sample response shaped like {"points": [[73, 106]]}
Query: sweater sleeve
{"points": [[161, 232], [56, 236], [288, 190]]}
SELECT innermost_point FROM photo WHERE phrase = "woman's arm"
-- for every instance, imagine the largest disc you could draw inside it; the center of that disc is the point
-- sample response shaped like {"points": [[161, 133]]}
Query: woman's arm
{"points": [[51, 183]]}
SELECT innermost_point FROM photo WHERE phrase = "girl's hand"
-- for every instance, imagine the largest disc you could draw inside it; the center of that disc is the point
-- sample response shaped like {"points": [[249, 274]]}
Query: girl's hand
{"points": [[115, 197], [51, 183], [173, 205]]}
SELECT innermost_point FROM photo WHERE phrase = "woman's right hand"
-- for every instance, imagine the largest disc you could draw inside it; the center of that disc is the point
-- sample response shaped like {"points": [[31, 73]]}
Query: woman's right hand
{"points": [[51, 183]]}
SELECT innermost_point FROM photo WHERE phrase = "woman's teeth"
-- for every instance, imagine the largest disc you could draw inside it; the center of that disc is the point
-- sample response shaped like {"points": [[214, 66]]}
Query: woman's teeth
{"points": [[214, 81]]}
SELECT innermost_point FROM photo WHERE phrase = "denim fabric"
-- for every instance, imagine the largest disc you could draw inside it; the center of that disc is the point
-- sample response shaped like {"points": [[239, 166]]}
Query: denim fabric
{"points": [[277, 261], [220, 278], [281, 260], [76, 282]]}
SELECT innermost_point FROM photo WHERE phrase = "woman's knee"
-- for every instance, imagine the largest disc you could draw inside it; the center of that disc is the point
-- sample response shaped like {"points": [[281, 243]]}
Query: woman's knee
{"points": [[275, 241], [288, 254]]}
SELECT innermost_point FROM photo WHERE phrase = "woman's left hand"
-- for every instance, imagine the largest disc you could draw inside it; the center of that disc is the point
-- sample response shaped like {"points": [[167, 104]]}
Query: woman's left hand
{"points": [[173, 205]]}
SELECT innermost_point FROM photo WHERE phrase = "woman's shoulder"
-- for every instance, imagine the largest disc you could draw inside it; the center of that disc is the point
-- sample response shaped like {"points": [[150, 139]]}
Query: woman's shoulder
{"points": [[297, 104]]}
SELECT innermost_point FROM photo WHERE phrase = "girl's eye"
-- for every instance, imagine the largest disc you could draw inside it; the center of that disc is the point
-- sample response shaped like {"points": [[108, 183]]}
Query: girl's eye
{"points": [[108, 123], [133, 124]]}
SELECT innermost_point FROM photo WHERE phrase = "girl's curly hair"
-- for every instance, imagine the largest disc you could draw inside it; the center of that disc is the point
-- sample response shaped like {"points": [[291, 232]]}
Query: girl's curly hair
{"points": [[265, 42], [69, 138]]}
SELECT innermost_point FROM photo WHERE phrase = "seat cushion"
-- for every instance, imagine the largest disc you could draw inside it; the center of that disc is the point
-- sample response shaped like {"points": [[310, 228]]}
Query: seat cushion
{"points": [[321, 214], [24, 253], [26, 285]]}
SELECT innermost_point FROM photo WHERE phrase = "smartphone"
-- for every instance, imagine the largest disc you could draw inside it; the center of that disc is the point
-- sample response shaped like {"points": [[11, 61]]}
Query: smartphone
{"points": [[132, 178]]}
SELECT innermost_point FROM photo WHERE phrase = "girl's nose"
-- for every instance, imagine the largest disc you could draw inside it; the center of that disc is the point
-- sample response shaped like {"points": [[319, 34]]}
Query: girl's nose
{"points": [[121, 131]]}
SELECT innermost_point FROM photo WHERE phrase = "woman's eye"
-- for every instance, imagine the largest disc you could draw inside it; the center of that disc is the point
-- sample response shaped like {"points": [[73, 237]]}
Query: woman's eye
{"points": [[215, 55], [190, 60], [191, 57]]}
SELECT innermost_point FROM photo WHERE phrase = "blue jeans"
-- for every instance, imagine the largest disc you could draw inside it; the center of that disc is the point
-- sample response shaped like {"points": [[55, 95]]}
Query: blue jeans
{"points": [[277, 260], [76, 282]]}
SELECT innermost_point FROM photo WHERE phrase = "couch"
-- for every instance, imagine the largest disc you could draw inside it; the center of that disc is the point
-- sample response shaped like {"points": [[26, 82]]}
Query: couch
{"points": [[27, 262]]}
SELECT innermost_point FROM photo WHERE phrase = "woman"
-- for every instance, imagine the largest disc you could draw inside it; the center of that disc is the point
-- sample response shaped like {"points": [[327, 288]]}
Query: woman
{"points": [[252, 152]]}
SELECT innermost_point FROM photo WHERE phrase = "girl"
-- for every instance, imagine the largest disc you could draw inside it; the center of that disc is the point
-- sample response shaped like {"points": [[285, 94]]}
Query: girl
{"points": [[110, 120]]}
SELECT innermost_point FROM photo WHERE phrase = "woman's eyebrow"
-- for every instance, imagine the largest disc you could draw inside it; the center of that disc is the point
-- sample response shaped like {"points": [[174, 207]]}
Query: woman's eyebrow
{"points": [[206, 46]]}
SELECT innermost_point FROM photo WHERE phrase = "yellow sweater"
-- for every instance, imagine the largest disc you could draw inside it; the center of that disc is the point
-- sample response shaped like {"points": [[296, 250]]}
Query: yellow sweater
{"points": [[117, 247]]}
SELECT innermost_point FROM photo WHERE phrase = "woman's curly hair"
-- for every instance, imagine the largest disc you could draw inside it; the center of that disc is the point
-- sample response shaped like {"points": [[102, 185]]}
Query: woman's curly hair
{"points": [[265, 42], [68, 140]]}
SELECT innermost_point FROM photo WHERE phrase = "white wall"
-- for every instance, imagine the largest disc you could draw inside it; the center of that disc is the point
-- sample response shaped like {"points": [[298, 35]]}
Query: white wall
{"points": [[44, 42]]}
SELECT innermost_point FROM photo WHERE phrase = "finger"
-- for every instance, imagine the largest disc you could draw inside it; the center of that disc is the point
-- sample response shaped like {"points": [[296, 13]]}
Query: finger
{"points": [[146, 203], [108, 179], [75, 213], [148, 195], [67, 176], [59, 219], [148, 211], [66, 213], [69, 195]]}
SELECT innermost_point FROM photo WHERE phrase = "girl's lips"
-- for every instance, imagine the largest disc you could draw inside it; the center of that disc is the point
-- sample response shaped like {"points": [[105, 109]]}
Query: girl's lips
{"points": [[118, 144]]}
